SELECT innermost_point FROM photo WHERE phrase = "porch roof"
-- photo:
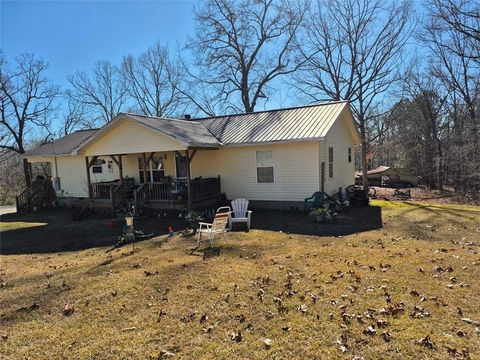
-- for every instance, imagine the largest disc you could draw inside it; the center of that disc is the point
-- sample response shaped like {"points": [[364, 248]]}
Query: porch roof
{"points": [[64, 145], [190, 133]]}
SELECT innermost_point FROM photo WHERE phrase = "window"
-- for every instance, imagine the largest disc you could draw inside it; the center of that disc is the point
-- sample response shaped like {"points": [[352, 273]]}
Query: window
{"points": [[97, 166], [330, 162], [265, 166], [349, 155], [181, 166], [155, 169]]}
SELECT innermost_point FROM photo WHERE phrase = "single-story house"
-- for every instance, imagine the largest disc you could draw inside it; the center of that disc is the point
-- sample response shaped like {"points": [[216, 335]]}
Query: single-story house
{"points": [[273, 158], [387, 176]]}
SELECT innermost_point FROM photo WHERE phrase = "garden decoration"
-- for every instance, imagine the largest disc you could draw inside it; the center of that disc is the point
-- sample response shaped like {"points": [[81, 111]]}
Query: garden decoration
{"points": [[129, 230], [194, 217], [323, 215]]}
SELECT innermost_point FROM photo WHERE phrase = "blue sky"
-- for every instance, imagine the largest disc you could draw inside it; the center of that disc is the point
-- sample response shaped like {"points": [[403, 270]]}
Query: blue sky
{"points": [[72, 35]]}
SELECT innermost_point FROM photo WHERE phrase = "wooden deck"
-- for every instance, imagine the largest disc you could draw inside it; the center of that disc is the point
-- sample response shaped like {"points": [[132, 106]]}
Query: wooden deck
{"points": [[168, 195]]}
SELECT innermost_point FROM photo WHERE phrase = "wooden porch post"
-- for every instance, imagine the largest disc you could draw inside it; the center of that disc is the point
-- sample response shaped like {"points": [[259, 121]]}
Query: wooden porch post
{"points": [[145, 168], [87, 166], [120, 168], [189, 185], [26, 172]]}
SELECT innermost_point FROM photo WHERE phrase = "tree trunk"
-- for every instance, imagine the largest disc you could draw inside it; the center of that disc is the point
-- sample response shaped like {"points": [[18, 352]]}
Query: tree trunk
{"points": [[364, 153]]}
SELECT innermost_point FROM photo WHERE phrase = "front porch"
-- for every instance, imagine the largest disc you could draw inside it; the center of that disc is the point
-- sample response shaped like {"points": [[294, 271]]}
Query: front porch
{"points": [[172, 194], [161, 180]]}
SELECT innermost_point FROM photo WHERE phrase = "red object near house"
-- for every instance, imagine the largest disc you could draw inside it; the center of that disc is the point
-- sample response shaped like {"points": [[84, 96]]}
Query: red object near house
{"points": [[110, 223]]}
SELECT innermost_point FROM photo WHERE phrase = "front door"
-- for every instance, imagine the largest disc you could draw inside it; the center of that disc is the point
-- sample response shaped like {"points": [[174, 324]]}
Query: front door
{"points": [[181, 166]]}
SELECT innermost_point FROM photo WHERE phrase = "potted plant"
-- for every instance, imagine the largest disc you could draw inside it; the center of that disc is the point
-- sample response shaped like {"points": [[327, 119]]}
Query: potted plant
{"points": [[321, 215], [194, 217]]}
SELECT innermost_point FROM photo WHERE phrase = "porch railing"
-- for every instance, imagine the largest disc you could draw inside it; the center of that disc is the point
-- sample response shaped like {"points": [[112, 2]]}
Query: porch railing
{"points": [[203, 189], [101, 191], [166, 191], [39, 194]]}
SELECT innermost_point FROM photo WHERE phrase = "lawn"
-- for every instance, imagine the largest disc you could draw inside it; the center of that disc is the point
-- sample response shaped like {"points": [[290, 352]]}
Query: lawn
{"points": [[407, 289]]}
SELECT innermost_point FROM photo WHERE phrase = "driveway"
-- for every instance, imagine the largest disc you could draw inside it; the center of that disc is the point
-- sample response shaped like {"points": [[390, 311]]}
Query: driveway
{"points": [[7, 210]]}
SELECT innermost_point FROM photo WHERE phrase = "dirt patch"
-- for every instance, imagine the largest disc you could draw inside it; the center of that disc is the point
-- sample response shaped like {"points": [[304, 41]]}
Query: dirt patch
{"points": [[421, 195]]}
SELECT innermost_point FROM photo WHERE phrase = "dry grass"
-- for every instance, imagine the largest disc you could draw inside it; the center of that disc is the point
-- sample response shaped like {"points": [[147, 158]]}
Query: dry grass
{"points": [[16, 225], [302, 292]]}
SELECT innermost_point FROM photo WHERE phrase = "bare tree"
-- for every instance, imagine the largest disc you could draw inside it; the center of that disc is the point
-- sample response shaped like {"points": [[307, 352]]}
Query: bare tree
{"points": [[74, 117], [454, 19], [103, 93], [354, 52], [241, 47], [26, 100], [11, 176], [153, 81], [456, 64]]}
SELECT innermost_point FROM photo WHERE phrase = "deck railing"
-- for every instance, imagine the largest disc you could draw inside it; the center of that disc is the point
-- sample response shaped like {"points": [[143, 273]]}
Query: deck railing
{"points": [[201, 189], [39, 194], [101, 191], [164, 191]]}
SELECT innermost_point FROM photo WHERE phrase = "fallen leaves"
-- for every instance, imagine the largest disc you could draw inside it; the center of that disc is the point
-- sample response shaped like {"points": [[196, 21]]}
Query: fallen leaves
{"points": [[150, 273], [386, 336], [236, 336], [28, 309], [303, 308], [419, 312], [471, 322], [68, 310], [427, 342], [342, 341], [370, 330]]}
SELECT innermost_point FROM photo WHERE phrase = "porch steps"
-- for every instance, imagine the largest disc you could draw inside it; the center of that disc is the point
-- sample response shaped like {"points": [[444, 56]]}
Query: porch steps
{"points": [[40, 194]]}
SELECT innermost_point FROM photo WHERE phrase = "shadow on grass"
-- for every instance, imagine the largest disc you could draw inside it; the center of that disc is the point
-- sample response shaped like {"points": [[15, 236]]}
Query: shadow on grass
{"points": [[356, 219], [60, 233]]}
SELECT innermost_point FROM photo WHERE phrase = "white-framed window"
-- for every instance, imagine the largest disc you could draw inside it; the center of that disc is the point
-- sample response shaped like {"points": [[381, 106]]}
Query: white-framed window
{"points": [[265, 173], [349, 155], [330, 162], [181, 167], [97, 166], [155, 169]]}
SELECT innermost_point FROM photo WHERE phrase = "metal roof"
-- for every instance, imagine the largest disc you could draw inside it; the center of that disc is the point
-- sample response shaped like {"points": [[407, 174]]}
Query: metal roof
{"points": [[292, 124], [189, 132], [303, 123], [64, 145]]}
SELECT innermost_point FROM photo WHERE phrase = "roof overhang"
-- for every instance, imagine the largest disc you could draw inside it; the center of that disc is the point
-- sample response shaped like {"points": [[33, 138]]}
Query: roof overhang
{"points": [[128, 117]]}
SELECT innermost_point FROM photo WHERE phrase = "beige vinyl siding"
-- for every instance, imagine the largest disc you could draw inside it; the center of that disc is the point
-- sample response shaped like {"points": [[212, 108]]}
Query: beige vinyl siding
{"points": [[295, 171], [127, 137], [343, 172], [72, 174]]}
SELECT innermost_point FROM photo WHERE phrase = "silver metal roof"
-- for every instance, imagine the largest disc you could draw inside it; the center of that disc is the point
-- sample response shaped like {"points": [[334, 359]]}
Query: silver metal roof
{"points": [[292, 124], [310, 122]]}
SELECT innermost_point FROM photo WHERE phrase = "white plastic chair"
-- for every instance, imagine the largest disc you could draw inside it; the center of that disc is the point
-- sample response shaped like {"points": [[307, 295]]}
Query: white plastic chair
{"points": [[241, 214], [218, 226]]}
